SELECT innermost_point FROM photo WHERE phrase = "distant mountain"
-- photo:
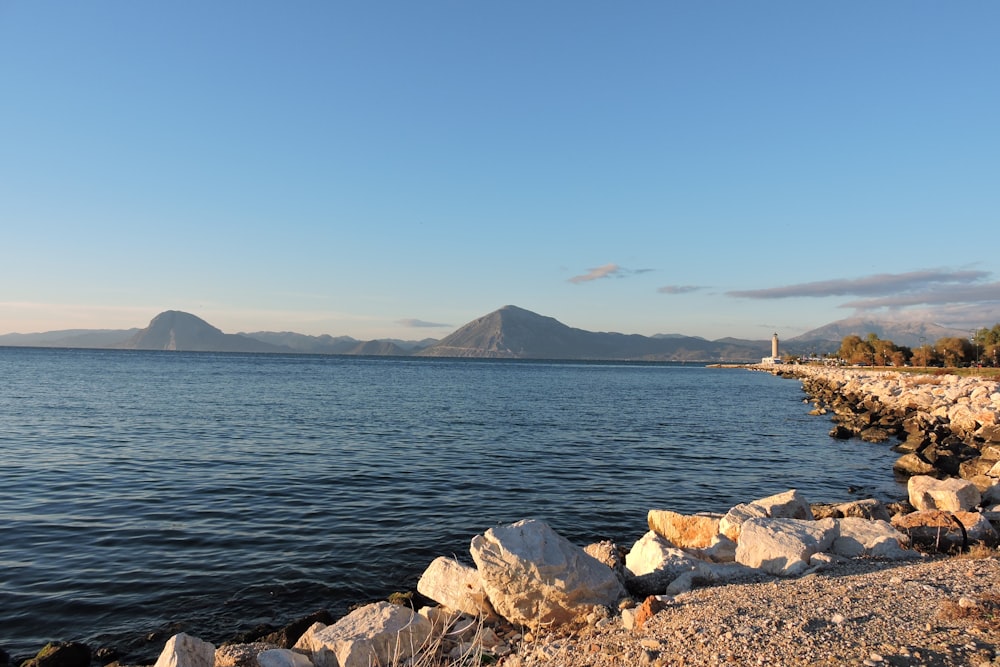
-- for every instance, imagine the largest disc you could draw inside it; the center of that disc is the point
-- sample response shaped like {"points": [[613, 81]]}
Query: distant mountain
{"points": [[326, 344], [515, 333], [380, 348], [183, 332], [911, 333], [305, 344], [89, 338], [507, 333]]}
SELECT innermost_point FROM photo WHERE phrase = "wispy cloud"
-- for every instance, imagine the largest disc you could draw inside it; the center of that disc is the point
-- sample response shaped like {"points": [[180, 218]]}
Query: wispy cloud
{"points": [[884, 284], [421, 324], [958, 298], [606, 271], [680, 289], [951, 294]]}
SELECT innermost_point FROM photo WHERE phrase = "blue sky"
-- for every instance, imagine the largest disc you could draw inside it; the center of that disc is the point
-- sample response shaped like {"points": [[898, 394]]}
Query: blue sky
{"points": [[396, 169]]}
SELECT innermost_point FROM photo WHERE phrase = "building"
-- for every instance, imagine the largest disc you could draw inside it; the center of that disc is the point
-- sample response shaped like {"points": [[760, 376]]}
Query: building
{"points": [[775, 357]]}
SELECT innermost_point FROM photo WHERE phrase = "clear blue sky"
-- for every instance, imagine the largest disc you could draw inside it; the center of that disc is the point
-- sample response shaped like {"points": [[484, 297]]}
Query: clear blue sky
{"points": [[396, 169]]}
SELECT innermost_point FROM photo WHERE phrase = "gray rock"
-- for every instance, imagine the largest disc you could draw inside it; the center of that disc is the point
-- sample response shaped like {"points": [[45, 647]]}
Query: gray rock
{"points": [[183, 650], [783, 546], [381, 633], [950, 495], [535, 577]]}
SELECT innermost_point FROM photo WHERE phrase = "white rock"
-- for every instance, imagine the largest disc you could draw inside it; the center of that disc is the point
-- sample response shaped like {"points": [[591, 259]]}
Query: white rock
{"points": [[787, 505], [282, 657], [652, 553], [875, 539], [456, 586], [377, 634], [732, 523], [307, 642], [722, 550], [534, 576], [183, 650], [652, 564], [950, 495], [783, 546]]}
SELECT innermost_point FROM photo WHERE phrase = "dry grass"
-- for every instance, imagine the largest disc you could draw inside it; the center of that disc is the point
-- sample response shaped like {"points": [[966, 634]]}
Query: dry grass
{"points": [[983, 612], [978, 550]]}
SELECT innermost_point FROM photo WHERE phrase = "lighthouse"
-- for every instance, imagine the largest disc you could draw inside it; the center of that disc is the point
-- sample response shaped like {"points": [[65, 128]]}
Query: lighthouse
{"points": [[774, 358]]}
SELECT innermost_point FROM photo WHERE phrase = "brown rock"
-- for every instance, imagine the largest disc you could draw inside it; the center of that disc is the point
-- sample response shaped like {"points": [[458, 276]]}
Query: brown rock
{"points": [[647, 610], [684, 531], [943, 532]]}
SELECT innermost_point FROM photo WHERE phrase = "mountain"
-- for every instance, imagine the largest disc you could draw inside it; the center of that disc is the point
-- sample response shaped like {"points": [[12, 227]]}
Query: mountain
{"points": [[90, 338], [305, 344], [515, 333], [911, 333], [183, 332], [378, 348], [326, 344], [507, 333]]}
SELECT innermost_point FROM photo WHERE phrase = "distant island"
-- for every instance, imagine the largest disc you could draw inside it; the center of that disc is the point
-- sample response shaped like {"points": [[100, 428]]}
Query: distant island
{"points": [[507, 333]]}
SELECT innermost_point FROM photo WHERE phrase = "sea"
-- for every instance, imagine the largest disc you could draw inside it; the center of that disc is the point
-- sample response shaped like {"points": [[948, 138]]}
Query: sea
{"points": [[148, 493]]}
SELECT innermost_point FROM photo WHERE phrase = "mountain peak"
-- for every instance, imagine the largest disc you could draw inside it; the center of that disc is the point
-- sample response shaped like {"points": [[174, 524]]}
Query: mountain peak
{"points": [[184, 332]]}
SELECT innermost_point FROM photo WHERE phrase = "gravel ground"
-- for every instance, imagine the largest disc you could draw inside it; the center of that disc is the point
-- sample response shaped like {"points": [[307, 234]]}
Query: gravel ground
{"points": [[939, 612]]}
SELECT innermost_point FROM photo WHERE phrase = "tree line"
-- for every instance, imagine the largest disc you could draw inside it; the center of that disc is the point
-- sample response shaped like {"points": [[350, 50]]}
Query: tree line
{"points": [[981, 348]]}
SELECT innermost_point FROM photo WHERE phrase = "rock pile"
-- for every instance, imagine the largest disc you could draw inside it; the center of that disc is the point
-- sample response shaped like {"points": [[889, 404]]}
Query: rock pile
{"points": [[527, 578], [943, 425]]}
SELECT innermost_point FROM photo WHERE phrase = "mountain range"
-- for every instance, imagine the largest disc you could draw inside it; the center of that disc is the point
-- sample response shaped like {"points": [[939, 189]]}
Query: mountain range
{"points": [[507, 333]]}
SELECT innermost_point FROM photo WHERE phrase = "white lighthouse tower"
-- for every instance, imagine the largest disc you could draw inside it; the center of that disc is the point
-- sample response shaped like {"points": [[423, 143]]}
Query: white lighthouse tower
{"points": [[775, 357]]}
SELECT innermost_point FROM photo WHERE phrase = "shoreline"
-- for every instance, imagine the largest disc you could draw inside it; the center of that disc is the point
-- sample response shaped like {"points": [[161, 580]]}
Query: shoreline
{"points": [[851, 382]]}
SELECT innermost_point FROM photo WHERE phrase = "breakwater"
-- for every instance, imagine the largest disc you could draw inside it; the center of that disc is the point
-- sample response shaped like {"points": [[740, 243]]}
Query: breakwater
{"points": [[941, 425]]}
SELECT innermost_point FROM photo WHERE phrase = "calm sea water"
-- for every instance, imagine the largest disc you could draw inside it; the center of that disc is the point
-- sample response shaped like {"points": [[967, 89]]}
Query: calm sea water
{"points": [[154, 492]]}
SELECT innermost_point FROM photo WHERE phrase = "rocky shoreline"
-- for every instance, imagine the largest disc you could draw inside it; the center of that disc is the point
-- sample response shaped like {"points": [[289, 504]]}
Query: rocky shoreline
{"points": [[773, 581]]}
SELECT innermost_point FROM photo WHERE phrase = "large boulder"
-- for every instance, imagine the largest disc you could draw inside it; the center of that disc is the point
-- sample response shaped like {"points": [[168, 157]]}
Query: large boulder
{"points": [[183, 650], [912, 464], [381, 633], [938, 531], [873, 539], [951, 495], [787, 505], [455, 586], [652, 564], [687, 531], [536, 577], [783, 546], [732, 523]]}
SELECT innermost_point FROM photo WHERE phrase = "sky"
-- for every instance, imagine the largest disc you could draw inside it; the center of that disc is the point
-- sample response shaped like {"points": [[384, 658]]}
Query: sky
{"points": [[396, 169]]}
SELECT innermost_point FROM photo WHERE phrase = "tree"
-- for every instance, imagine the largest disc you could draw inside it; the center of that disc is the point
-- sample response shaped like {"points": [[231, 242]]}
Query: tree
{"points": [[954, 351], [853, 350], [923, 356]]}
